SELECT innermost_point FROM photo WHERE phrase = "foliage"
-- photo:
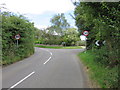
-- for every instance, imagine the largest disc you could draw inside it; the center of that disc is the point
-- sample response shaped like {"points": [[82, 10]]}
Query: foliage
{"points": [[12, 25], [102, 20], [70, 38], [105, 77], [58, 47], [58, 33], [44, 37], [59, 24]]}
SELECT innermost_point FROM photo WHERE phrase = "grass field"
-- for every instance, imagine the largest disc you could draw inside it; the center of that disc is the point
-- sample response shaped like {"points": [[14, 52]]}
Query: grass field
{"points": [[59, 47], [104, 77]]}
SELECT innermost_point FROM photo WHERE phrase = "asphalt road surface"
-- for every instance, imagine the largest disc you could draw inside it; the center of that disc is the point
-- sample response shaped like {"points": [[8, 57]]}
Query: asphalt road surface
{"points": [[47, 68]]}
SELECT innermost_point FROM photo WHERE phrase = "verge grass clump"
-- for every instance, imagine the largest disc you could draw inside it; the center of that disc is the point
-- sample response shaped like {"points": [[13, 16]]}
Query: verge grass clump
{"points": [[59, 47], [105, 77]]}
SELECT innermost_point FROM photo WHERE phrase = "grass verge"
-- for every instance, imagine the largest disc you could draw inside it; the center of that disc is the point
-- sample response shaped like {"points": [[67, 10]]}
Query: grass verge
{"points": [[59, 47], [104, 77], [13, 59]]}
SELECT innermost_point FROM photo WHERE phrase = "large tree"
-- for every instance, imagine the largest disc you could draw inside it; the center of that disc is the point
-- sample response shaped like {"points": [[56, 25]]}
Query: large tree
{"points": [[102, 20], [59, 24]]}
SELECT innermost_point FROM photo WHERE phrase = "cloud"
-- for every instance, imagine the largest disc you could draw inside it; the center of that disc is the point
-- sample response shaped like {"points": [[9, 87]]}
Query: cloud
{"points": [[41, 26], [40, 11], [38, 6]]}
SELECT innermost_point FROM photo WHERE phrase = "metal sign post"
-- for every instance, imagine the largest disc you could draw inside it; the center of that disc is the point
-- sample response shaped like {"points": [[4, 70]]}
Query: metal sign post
{"points": [[85, 44], [17, 37], [17, 42], [85, 33]]}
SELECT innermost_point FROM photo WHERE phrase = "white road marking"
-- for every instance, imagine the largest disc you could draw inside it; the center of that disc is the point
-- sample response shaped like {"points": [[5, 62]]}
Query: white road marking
{"points": [[21, 80], [47, 60], [51, 53], [47, 51], [49, 57]]}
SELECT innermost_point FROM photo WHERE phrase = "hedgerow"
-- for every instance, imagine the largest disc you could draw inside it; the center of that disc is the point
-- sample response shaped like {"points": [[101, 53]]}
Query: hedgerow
{"points": [[12, 25], [102, 20]]}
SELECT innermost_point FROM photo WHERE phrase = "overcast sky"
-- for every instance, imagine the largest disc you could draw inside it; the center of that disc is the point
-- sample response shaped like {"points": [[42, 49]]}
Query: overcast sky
{"points": [[40, 11]]}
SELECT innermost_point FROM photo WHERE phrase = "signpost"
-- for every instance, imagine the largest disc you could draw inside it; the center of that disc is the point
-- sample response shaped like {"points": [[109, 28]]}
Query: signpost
{"points": [[85, 33], [17, 37]]}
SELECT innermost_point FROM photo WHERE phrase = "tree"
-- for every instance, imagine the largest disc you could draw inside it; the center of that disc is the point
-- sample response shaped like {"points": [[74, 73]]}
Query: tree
{"points": [[102, 20], [59, 32], [59, 24], [102, 25], [71, 36]]}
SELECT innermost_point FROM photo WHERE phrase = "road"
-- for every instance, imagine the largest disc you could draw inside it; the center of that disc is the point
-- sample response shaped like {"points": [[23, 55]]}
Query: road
{"points": [[47, 68]]}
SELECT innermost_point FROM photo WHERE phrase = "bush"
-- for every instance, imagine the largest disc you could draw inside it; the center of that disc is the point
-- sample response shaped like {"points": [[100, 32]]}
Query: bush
{"points": [[80, 43], [11, 26], [105, 77]]}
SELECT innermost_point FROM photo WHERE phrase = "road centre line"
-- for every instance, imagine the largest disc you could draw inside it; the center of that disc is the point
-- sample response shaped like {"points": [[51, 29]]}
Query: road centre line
{"points": [[50, 53], [47, 51], [30, 73], [21, 80], [47, 60], [49, 57]]}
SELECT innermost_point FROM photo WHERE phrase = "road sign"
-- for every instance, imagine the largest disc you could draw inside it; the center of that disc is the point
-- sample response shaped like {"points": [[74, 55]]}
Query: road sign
{"points": [[97, 43], [85, 33], [83, 38], [17, 36]]}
